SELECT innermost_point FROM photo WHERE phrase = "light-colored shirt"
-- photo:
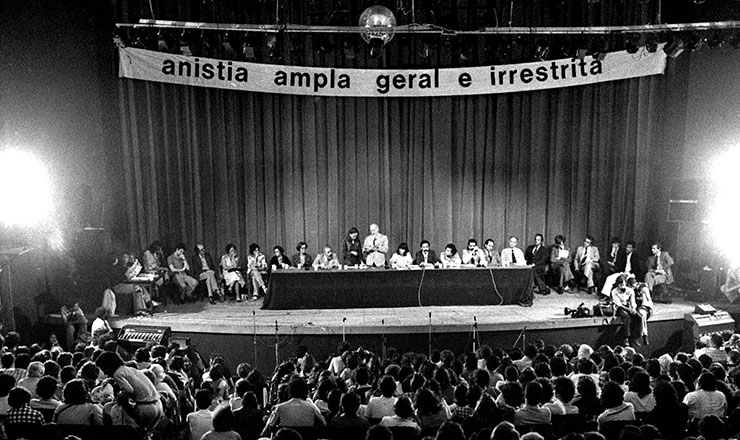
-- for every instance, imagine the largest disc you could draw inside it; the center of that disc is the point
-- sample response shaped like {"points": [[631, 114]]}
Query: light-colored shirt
{"points": [[134, 382], [510, 254], [296, 412], [379, 407], [375, 248], [399, 261], [322, 261], [200, 422], [703, 403]]}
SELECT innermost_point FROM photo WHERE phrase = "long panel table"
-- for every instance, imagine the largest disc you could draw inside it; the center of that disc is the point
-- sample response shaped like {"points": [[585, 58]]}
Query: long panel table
{"points": [[367, 288]]}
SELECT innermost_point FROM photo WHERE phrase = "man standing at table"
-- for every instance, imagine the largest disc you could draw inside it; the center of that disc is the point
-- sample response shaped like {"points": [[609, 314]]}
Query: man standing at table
{"points": [[375, 247], [512, 255]]}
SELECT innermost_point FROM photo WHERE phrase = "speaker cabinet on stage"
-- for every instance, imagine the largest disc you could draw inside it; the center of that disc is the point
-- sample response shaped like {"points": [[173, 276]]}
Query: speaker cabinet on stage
{"points": [[705, 320]]}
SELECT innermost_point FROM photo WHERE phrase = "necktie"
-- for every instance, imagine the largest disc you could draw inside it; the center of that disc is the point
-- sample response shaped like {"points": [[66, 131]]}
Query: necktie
{"points": [[426, 256], [655, 263], [513, 257], [585, 254]]}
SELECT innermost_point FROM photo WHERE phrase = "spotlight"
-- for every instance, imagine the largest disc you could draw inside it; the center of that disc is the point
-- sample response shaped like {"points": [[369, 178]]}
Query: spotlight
{"points": [[674, 48], [227, 50], [162, 45], [31, 205], [599, 50], [651, 44], [378, 22], [631, 47], [542, 50], [185, 48], [247, 51]]}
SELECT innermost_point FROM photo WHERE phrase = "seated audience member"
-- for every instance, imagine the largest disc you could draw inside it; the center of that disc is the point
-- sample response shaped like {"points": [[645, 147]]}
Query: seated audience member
{"points": [[658, 267], [586, 262], [352, 248], [505, 431], [669, 415], [491, 255], [612, 399], [249, 419], [473, 255], [401, 259], [451, 431], [640, 394], [34, 372], [430, 412], [201, 420], [302, 259], [538, 256], [10, 368], [77, 409], [426, 257], [46, 403], [404, 416], [256, 266], [205, 270], [382, 406], [296, 412], [711, 427], [560, 261], [450, 257], [564, 389], [7, 382], [376, 432], [486, 413], [349, 420], [466, 400], [100, 326], [587, 399], [706, 400], [531, 413], [223, 425], [326, 260], [231, 271], [279, 260], [20, 411], [137, 386], [512, 255], [179, 267]]}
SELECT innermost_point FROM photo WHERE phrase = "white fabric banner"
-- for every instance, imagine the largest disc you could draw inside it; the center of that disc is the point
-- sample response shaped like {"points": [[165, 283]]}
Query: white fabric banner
{"points": [[319, 81]]}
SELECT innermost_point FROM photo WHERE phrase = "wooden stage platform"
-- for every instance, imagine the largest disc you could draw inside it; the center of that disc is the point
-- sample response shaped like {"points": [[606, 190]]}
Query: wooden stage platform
{"points": [[242, 332]]}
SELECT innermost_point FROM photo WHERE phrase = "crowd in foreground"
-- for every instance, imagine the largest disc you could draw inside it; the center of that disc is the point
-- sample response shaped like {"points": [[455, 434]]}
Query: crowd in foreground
{"points": [[542, 391]]}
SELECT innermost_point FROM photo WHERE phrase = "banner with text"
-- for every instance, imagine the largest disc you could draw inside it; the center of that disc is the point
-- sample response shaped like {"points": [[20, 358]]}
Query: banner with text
{"points": [[321, 81]]}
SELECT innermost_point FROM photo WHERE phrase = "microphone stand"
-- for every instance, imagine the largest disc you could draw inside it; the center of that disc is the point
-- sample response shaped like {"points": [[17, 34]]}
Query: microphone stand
{"points": [[344, 330], [277, 344], [430, 335], [254, 335], [475, 334], [522, 337], [382, 339]]}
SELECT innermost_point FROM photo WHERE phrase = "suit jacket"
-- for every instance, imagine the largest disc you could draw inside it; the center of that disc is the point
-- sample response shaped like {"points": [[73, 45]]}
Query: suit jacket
{"points": [[665, 261], [197, 265], [468, 256], [376, 258], [613, 259], [621, 263], [295, 261], [539, 258], [432, 258], [555, 255], [592, 254], [506, 259]]}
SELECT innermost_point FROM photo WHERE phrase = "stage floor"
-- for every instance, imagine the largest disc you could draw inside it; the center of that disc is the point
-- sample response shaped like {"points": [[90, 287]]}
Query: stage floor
{"points": [[246, 318]]}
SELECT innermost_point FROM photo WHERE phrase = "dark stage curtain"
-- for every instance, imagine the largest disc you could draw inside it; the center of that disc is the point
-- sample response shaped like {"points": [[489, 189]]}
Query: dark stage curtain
{"points": [[221, 166]]}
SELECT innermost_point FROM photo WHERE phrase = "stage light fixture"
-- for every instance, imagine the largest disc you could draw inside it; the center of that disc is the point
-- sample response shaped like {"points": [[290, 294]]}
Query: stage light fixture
{"points": [[378, 22], [162, 45], [349, 50], [631, 47], [651, 44], [26, 198], [185, 48], [600, 48], [674, 48], [715, 41], [542, 50], [247, 51]]}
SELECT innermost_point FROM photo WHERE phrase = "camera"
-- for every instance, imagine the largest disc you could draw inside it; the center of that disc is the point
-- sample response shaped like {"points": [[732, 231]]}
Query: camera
{"points": [[579, 312]]}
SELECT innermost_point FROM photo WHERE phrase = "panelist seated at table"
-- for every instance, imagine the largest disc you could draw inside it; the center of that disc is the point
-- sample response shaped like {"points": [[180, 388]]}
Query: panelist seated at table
{"points": [[279, 260], [450, 257], [256, 266], [490, 254], [401, 259], [473, 255], [512, 255], [326, 260], [426, 257], [302, 260]]}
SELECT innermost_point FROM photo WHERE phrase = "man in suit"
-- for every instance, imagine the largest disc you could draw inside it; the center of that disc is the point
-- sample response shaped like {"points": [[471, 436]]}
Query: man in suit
{"points": [[586, 263], [627, 263], [205, 270], [512, 255], [473, 255], [615, 253], [538, 256], [375, 247], [426, 257], [658, 267], [492, 257]]}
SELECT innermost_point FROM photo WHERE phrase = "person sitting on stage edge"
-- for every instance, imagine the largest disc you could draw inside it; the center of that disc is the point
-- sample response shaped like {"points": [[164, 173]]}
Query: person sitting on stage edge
{"points": [[256, 266], [205, 270], [426, 257], [179, 268], [659, 271], [232, 272], [586, 263], [560, 264], [301, 260], [623, 298], [644, 302], [401, 259], [375, 247], [626, 264], [326, 260], [513, 256], [352, 248], [279, 260], [473, 255], [538, 256], [491, 255], [450, 257]]}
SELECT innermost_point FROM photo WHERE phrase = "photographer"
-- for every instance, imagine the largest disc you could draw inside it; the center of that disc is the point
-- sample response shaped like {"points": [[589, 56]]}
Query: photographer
{"points": [[623, 298]]}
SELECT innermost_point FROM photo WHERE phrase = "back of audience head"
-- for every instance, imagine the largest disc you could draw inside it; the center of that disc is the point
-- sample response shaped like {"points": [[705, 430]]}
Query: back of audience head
{"points": [[505, 431], [631, 432], [711, 427], [612, 395], [564, 389], [7, 382], [203, 399], [450, 431], [46, 387], [376, 432], [223, 419], [532, 436], [707, 382], [403, 408], [18, 397]]}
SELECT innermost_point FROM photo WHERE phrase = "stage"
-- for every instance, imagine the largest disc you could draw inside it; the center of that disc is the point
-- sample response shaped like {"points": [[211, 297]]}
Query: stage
{"points": [[239, 330]]}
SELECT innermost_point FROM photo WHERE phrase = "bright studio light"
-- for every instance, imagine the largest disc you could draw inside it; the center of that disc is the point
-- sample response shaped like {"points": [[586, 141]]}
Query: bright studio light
{"points": [[25, 190], [725, 212]]}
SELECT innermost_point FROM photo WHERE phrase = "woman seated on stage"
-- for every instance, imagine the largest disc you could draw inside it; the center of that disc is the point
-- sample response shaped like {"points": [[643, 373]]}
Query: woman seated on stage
{"points": [[450, 257], [352, 248], [402, 258], [279, 260], [232, 272], [154, 261], [301, 260], [257, 265]]}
